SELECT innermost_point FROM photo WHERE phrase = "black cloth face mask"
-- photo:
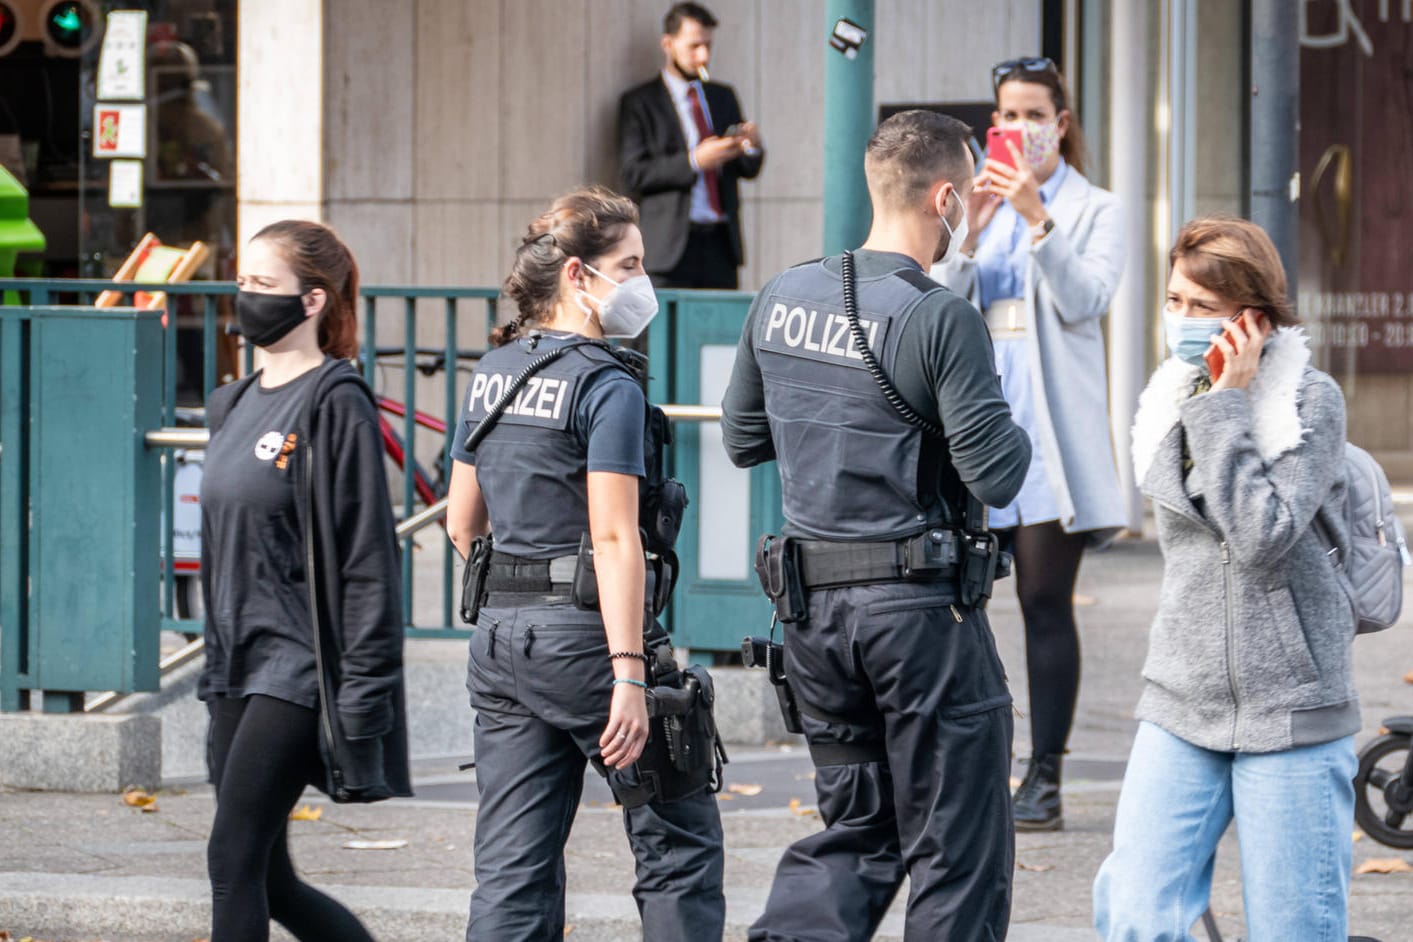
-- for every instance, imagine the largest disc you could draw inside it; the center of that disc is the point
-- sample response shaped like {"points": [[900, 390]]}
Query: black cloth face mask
{"points": [[266, 318]]}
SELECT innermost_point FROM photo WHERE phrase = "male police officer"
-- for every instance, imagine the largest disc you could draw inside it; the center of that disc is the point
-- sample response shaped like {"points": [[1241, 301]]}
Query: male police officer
{"points": [[893, 664]]}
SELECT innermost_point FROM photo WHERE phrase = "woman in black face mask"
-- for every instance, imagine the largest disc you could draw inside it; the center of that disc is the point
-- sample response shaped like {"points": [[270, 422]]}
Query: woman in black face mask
{"points": [[303, 676]]}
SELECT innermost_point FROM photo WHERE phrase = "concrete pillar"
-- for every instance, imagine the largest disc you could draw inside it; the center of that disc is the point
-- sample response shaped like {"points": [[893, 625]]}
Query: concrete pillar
{"points": [[1130, 315], [1275, 114], [280, 113]]}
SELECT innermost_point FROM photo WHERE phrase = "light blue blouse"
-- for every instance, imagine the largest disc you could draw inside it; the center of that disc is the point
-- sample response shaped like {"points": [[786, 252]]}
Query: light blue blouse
{"points": [[1002, 255]]}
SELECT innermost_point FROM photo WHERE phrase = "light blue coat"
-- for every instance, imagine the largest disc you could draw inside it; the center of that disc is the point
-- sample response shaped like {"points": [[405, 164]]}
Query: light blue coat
{"points": [[1068, 285]]}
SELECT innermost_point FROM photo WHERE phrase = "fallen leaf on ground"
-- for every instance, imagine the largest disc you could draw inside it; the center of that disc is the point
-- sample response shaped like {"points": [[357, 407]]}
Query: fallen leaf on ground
{"points": [[374, 845], [139, 798], [802, 810], [741, 789], [1384, 865], [1358, 835], [722, 796], [568, 929], [1408, 678], [1035, 868], [307, 813]]}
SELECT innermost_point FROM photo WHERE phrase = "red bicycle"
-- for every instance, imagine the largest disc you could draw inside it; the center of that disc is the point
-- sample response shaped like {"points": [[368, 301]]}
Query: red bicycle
{"points": [[430, 486]]}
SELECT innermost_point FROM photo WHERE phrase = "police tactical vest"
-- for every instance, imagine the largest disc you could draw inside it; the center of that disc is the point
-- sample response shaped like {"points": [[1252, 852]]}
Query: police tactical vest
{"points": [[848, 462], [532, 466]]}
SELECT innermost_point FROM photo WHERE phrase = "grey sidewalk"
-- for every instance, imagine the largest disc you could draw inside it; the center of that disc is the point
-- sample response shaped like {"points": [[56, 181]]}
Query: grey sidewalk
{"points": [[85, 867]]}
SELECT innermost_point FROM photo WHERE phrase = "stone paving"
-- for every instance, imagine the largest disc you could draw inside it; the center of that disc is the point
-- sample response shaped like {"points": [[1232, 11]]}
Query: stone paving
{"points": [[86, 867]]}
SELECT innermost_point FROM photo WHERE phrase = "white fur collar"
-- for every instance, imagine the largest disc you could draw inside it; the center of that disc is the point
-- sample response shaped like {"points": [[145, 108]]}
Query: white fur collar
{"points": [[1274, 400]]}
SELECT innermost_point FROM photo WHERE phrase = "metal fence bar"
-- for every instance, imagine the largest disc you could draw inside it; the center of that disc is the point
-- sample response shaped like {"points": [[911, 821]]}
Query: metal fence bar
{"points": [[409, 444], [451, 406], [169, 465], [369, 352], [208, 346]]}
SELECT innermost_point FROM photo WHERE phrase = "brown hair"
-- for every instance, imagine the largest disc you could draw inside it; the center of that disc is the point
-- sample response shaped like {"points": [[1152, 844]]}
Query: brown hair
{"points": [[1072, 146], [319, 259], [585, 224], [910, 152], [1236, 259]]}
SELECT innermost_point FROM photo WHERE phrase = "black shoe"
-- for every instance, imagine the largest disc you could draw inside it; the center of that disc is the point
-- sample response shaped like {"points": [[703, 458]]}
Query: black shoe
{"points": [[1036, 803]]}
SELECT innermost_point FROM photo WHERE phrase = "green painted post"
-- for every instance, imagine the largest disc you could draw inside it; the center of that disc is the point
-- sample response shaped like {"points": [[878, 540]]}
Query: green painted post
{"points": [[848, 122]]}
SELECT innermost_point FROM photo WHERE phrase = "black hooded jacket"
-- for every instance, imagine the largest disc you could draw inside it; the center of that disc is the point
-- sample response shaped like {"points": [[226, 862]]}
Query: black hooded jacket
{"points": [[350, 552]]}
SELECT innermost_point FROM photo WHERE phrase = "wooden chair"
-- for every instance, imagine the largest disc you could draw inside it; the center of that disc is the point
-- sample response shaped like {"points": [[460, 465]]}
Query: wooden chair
{"points": [[151, 262]]}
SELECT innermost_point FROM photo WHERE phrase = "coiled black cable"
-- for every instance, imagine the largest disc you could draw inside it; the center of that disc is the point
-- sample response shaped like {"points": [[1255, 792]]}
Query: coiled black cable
{"points": [[885, 385]]}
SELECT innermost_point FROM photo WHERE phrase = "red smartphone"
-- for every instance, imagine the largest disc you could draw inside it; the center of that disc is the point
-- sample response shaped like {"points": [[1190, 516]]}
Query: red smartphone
{"points": [[1216, 360], [996, 148]]}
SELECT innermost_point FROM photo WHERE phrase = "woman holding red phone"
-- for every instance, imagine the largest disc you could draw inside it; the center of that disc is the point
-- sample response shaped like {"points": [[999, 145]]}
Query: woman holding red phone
{"points": [[1041, 260], [1249, 710]]}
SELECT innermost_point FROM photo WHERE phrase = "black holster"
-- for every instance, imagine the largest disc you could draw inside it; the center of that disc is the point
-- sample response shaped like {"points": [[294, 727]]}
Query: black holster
{"points": [[982, 564], [777, 566], [660, 578], [684, 753], [768, 654], [473, 577]]}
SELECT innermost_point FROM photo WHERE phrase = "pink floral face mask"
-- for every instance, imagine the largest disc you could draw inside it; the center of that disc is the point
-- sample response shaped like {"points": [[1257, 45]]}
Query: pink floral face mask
{"points": [[1042, 140]]}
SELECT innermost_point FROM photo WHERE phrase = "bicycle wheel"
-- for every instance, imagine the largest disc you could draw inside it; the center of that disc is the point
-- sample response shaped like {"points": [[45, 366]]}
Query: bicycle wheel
{"points": [[1383, 795]]}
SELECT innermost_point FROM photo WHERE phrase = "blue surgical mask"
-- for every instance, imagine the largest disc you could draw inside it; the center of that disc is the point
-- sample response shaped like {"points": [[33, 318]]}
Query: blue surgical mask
{"points": [[1189, 337]]}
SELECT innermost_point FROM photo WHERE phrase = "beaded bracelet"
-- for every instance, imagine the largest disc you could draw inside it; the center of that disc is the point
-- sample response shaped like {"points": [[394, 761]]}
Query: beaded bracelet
{"points": [[629, 680], [636, 655]]}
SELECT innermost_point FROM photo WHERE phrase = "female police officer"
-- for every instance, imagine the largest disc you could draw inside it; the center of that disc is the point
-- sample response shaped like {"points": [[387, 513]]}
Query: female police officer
{"points": [[554, 683]]}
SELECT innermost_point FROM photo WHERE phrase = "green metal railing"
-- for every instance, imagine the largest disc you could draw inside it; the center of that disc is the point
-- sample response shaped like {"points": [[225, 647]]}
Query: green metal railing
{"points": [[415, 305], [462, 317]]}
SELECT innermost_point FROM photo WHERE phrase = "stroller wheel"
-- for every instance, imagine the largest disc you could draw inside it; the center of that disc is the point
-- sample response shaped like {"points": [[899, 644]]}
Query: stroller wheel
{"points": [[1383, 794]]}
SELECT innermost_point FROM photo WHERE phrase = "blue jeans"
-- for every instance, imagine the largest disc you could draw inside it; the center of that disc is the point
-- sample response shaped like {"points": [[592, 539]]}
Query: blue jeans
{"points": [[1294, 814]]}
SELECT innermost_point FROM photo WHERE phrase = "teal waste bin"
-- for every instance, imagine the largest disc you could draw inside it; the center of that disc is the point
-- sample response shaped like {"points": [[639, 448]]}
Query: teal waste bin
{"points": [[79, 503]]}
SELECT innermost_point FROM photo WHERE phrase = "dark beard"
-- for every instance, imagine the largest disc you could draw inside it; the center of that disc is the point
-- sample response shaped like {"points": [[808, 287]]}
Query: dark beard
{"points": [[684, 74]]}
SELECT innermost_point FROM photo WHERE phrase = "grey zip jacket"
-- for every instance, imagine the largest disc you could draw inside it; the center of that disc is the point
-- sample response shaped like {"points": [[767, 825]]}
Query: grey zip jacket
{"points": [[1251, 647]]}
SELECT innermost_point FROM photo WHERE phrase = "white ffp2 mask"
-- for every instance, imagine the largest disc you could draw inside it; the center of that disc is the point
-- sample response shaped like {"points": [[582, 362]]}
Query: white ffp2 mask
{"points": [[629, 307]]}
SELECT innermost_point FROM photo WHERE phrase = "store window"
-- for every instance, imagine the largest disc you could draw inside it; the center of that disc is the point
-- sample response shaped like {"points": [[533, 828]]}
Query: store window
{"points": [[165, 106], [1356, 213]]}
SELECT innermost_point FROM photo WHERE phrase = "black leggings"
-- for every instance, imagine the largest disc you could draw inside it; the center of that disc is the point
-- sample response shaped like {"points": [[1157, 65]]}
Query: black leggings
{"points": [[264, 752], [1047, 565]]}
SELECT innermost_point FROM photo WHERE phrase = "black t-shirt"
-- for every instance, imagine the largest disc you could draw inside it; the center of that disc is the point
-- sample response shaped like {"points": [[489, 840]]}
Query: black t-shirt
{"points": [[253, 549], [537, 498]]}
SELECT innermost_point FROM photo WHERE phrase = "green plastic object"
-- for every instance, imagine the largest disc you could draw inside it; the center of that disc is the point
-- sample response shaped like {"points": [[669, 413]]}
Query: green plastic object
{"points": [[18, 233]]}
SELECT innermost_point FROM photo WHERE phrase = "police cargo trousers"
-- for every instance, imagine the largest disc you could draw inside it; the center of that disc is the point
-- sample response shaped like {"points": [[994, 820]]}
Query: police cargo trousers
{"points": [[901, 672], [540, 682]]}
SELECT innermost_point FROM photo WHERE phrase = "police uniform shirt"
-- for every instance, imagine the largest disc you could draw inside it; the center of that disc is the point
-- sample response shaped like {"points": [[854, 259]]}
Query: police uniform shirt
{"points": [[939, 356], [253, 548], [584, 412]]}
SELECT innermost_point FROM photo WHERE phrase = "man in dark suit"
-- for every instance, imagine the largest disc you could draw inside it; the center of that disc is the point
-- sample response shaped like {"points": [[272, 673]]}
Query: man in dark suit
{"points": [[682, 147]]}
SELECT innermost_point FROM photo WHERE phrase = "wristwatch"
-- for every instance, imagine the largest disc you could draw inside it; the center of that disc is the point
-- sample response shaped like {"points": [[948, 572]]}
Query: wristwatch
{"points": [[1041, 229]]}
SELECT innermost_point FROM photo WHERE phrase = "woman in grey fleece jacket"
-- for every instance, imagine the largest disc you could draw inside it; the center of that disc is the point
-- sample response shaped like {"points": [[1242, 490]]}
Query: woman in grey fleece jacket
{"points": [[1249, 708]]}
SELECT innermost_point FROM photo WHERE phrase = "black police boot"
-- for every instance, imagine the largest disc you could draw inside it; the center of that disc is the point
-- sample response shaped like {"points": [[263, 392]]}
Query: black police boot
{"points": [[1036, 804]]}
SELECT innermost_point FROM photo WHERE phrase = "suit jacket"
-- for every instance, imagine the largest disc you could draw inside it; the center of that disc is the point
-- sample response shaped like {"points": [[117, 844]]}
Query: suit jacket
{"points": [[658, 174]]}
